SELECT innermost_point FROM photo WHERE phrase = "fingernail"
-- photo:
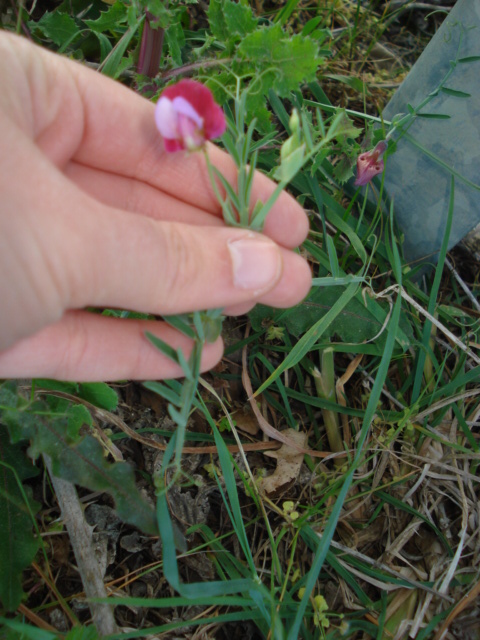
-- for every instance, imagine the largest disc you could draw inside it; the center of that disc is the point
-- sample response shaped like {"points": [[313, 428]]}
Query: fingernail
{"points": [[256, 262]]}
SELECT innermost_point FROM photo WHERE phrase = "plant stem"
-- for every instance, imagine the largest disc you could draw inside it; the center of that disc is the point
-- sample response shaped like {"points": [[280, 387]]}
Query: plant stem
{"points": [[325, 386], [150, 48]]}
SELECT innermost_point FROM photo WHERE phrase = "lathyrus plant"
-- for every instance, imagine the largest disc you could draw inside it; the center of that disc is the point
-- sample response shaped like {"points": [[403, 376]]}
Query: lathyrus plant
{"points": [[187, 117]]}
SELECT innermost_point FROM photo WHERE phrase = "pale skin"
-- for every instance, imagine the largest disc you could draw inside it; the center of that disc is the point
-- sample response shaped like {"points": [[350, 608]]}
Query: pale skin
{"points": [[94, 213]]}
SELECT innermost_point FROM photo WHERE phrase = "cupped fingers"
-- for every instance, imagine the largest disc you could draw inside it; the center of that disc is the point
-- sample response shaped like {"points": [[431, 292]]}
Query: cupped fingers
{"points": [[86, 347], [133, 262], [123, 192]]}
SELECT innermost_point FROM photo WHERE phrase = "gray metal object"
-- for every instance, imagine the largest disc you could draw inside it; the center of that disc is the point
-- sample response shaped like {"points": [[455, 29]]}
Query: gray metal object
{"points": [[419, 186]]}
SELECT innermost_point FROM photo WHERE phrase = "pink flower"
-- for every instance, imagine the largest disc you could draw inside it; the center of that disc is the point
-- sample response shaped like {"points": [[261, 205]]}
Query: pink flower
{"points": [[370, 164], [187, 116]]}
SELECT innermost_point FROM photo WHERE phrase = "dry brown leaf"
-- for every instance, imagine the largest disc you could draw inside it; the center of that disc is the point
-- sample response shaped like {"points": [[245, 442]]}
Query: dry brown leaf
{"points": [[246, 421], [289, 462]]}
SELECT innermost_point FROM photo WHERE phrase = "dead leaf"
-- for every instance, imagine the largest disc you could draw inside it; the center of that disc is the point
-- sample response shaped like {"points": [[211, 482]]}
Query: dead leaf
{"points": [[289, 462], [246, 420]]}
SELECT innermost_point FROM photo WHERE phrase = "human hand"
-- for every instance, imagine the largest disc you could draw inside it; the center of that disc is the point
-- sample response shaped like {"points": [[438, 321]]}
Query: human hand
{"points": [[94, 213]]}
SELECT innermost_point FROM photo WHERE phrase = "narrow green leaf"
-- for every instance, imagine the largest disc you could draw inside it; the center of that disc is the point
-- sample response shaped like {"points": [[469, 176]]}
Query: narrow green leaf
{"points": [[214, 620], [328, 281], [323, 547], [178, 417], [345, 228], [350, 81], [162, 346], [28, 630], [469, 59], [311, 25], [332, 256], [456, 93], [170, 566], [227, 467], [112, 62], [181, 322], [285, 12], [432, 301], [88, 632], [105, 45], [228, 188], [349, 578], [178, 601], [307, 341], [434, 116], [166, 392]]}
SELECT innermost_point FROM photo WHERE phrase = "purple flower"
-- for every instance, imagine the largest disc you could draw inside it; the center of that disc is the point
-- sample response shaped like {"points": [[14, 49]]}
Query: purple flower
{"points": [[370, 164], [187, 116]]}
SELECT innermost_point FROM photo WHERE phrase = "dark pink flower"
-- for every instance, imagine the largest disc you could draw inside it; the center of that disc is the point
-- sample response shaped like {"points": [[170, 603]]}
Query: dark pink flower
{"points": [[187, 116], [370, 164]]}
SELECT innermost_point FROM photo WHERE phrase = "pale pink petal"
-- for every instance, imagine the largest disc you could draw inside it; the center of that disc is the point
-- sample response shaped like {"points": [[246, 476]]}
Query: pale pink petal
{"points": [[166, 119], [181, 105]]}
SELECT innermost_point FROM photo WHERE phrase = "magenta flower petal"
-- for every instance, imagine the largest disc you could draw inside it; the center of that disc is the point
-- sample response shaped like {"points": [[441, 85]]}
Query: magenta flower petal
{"points": [[187, 116], [370, 164]]}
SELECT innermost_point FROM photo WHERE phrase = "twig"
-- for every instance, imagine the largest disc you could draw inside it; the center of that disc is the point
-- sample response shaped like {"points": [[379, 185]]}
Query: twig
{"points": [[81, 538], [457, 277], [188, 69], [383, 567], [111, 418], [429, 317], [471, 393], [466, 601]]}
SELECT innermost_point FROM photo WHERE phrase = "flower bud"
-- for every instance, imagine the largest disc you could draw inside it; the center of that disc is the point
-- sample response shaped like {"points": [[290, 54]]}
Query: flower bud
{"points": [[294, 123], [370, 164]]}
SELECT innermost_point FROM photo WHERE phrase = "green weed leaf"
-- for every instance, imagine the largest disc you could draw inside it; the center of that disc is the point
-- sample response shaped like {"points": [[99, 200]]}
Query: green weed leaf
{"points": [[286, 60], [75, 457], [354, 323], [109, 20], [216, 18], [18, 545], [175, 39], [99, 394], [239, 19], [230, 21], [58, 27]]}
